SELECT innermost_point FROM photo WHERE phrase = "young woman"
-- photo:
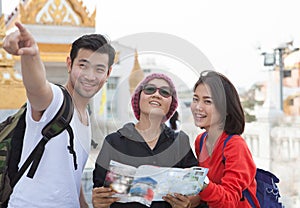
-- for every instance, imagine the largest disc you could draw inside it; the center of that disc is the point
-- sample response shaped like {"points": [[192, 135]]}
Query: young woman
{"points": [[217, 109], [149, 141]]}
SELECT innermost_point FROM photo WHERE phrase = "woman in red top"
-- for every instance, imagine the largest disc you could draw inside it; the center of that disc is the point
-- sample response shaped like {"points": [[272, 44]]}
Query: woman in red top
{"points": [[217, 109]]}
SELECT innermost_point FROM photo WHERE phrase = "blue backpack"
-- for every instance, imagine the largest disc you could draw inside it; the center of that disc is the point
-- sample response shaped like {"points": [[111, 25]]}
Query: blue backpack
{"points": [[267, 191]]}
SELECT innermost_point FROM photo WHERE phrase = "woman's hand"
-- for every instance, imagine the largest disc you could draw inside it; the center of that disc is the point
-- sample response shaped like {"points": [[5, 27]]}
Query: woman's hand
{"points": [[178, 200], [102, 197]]}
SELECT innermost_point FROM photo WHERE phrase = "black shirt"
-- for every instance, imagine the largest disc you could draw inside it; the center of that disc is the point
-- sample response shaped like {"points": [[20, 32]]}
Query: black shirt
{"points": [[127, 146]]}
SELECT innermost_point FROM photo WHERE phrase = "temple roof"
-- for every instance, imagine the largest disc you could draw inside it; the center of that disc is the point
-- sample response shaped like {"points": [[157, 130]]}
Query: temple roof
{"points": [[52, 12], [54, 24], [136, 74]]}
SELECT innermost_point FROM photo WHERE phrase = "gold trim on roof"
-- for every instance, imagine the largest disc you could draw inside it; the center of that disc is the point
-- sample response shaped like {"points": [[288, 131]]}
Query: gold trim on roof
{"points": [[2, 28], [50, 47], [52, 52], [56, 12]]}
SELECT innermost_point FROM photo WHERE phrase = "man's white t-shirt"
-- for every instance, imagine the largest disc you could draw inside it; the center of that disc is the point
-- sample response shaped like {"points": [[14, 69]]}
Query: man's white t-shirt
{"points": [[56, 183]]}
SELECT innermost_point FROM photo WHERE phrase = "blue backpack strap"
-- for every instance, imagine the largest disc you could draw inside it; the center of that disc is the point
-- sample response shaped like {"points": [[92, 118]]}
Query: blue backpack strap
{"points": [[246, 193], [202, 140], [225, 142]]}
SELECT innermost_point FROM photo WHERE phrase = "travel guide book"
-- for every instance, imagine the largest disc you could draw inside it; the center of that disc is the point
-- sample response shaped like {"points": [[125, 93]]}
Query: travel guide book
{"points": [[149, 183]]}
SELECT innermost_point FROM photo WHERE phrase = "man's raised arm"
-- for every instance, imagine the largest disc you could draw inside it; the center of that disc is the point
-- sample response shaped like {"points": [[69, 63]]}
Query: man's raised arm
{"points": [[38, 89]]}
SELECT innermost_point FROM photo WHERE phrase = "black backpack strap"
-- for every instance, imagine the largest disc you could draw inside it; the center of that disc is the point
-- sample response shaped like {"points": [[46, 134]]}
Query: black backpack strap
{"points": [[16, 146], [62, 119], [71, 147], [36, 156], [65, 123], [38, 150], [59, 123]]}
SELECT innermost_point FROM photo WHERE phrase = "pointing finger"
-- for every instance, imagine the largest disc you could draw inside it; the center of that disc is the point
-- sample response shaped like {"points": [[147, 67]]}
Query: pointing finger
{"points": [[21, 28]]}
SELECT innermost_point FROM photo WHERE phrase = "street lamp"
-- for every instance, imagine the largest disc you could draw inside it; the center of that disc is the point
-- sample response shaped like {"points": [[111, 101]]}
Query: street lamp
{"points": [[270, 59]]}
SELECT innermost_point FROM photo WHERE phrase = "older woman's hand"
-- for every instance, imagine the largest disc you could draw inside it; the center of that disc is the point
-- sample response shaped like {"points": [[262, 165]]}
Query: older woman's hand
{"points": [[178, 200], [102, 197]]}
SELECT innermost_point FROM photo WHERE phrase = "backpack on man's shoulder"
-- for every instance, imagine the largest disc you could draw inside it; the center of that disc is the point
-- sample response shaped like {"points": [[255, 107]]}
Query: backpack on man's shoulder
{"points": [[267, 191], [11, 141]]}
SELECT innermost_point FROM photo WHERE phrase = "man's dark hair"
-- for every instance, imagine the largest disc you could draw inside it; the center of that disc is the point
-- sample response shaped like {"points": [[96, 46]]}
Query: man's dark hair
{"points": [[95, 42], [226, 100]]}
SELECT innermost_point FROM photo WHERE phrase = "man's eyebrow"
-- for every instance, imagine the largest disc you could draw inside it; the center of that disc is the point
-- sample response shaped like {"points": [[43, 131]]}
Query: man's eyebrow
{"points": [[87, 61], [84, 60], [101, 65]]}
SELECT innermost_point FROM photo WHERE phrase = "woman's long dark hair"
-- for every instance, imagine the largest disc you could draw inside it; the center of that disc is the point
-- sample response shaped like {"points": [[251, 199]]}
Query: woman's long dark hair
{"points": [[226, 100], [173, 120]]}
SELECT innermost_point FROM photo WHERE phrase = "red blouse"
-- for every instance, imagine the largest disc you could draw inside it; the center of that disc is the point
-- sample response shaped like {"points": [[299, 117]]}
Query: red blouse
{"points": [[227, 181]]}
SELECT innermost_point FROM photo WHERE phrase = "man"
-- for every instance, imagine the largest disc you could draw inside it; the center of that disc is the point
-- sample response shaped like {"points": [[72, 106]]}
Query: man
{"points": [[56, 183]]}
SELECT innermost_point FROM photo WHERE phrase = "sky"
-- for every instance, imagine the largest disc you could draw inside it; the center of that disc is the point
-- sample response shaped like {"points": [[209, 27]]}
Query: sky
{"points": [[227, 32]]}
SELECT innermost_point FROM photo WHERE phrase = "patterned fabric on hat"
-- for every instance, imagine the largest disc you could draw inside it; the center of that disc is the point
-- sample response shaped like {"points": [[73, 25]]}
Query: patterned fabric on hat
{"points": [[136, 95]]}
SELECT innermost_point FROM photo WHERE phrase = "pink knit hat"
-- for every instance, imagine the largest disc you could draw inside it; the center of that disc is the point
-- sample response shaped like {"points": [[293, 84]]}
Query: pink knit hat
{"points": [[135, 99]]}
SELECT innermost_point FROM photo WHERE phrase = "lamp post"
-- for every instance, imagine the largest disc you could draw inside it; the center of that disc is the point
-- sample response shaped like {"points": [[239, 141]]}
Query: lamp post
{"points": [[281, 68], [276, 59], [270, 61]]}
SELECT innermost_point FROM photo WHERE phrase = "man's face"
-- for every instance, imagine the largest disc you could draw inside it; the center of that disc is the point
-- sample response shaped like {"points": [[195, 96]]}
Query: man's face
{"points": [[89, 72]]}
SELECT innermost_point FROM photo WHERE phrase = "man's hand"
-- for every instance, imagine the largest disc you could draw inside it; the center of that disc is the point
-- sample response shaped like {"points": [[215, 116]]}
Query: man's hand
{"points": [[102, 197], [20, 42]]}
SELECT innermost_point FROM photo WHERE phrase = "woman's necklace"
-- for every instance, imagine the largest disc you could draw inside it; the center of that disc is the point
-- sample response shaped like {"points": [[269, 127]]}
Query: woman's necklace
{"points": [[150, 138], [209, 148], [211, 142]]}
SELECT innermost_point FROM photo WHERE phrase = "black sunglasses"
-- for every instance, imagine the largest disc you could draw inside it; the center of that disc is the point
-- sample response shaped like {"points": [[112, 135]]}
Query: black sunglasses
{"points": [[150, 89]]}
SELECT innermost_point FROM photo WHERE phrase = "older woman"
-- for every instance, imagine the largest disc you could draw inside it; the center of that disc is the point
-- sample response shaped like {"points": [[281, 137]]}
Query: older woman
{"points": [[149, 141]]}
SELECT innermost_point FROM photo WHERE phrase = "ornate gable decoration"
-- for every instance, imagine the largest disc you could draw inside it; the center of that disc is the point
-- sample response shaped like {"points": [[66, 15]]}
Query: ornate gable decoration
{"points": [[57, 12], [6, 60], [12, 91]]}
